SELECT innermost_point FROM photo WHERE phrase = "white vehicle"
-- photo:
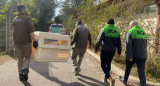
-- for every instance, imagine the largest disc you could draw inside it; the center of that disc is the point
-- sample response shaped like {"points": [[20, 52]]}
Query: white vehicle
{"points": [[57, 28]]}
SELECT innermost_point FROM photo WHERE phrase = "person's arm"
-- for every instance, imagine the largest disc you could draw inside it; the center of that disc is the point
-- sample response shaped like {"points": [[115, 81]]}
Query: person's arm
{"points": [[31, 32], [30, 27], [129, 54], [90, 40], [75, 38], [99, 41], [33, 36]]}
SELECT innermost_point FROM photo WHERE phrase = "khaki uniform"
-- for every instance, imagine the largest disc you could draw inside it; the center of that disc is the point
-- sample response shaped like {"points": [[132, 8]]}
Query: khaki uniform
{"points": [[23, 26]]}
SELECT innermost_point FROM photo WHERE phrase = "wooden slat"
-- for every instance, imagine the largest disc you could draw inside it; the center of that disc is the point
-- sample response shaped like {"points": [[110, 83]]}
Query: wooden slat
{"points": [[2, 42], [2, 38], [2, 28], [2, 45], [2, 34]]}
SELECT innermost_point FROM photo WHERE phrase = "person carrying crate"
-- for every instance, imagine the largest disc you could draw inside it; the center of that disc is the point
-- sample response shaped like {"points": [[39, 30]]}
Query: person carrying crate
{"points": [[23, 36]]}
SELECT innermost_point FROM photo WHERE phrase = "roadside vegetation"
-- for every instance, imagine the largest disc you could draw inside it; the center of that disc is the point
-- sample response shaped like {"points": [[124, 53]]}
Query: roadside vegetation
{"points": [[2, 51], [94, 13]]}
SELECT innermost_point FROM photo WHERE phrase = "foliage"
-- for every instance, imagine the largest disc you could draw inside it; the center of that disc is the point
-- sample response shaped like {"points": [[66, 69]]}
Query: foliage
{"points": [[69, 24], [152, 67], [69, 9], [57, 19], [95, 17], [2, 12], [41, 11]]}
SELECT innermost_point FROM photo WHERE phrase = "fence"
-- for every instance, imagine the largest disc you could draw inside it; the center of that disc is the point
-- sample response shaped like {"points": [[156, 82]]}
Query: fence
{"points": [[2, 36], [6, 32], [9, 31]]}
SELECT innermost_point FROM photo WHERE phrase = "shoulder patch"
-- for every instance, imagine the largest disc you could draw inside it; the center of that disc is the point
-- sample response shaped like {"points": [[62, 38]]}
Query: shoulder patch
{"points": [[18, 20]]}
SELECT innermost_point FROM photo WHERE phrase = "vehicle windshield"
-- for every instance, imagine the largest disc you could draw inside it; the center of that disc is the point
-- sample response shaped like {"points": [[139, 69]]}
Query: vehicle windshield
{"points": [[59, 26]]}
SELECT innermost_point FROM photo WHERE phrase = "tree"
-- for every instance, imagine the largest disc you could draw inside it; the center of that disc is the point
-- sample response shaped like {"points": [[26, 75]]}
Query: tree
{"points": [[41, 11], [69, 8], [57, 19], [2, 12], [2, 2]]}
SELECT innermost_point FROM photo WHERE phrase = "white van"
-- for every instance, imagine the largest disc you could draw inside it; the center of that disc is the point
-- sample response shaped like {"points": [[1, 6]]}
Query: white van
{"points": [[57, 28]]}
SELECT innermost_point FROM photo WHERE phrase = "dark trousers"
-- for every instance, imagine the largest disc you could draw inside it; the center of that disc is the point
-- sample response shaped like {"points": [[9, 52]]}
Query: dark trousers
{"points": [[141, 70], [106, 59]]}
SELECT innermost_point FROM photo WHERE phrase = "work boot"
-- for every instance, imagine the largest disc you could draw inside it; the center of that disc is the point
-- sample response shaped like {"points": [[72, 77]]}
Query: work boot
{"points": [[112, 81], [21, 76], [77, 70], [105, 80], [25, 74]]}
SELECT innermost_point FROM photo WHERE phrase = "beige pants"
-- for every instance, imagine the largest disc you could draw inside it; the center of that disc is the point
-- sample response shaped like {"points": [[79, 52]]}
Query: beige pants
{"points": [[23, 54], [78, 52]]}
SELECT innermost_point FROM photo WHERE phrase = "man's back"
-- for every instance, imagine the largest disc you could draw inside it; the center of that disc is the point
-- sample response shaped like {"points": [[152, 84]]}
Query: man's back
{"points": [[136, 43], [23, 26], [109, 38], [82, 36]]}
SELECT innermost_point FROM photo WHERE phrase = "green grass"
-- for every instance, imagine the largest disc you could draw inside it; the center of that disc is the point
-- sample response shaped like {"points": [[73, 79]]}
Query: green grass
{"points": [[2, 54]]}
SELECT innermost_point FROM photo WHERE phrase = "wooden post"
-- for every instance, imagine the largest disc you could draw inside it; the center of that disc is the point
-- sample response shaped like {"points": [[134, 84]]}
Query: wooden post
{"points": [[7, 31]]}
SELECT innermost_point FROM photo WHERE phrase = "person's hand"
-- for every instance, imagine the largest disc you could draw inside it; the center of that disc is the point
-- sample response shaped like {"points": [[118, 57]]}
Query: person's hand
{"points": [[72, 48], [35, 44], [131, 60]]}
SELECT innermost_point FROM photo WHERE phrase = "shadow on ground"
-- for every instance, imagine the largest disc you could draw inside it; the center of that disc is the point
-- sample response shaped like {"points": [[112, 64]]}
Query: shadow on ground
{"points": [[97, 83], [43, 69], [26, 83]]}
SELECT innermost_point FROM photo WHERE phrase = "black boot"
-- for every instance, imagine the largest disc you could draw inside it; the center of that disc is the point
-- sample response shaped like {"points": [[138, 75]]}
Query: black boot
{"points": [[24, 75], [77, 70], [21, 76]]}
